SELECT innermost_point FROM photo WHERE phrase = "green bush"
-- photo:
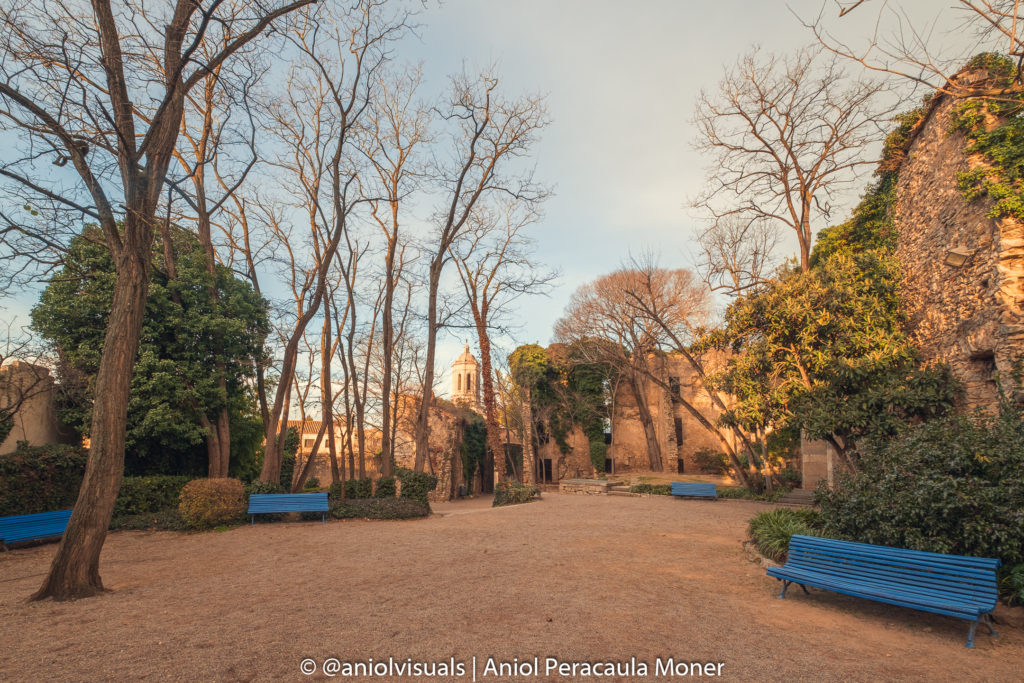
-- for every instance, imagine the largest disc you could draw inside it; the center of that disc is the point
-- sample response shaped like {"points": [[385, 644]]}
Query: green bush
{"points": [[790, 477], [287, 469], [379, 508], [40, 478], [385, 488], [160, 520], [334, 491], [416, 485], [1011, 584], [358, 488], [312, 483], [514, 493], [208, 503], [952, 485], [771, 530], [598, 451], [651, 489], [710, 461], [263, 487], [146, 495]]}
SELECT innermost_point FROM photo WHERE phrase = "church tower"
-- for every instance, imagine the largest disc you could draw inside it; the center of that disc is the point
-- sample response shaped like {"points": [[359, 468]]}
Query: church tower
{"points": [[466, 380]]}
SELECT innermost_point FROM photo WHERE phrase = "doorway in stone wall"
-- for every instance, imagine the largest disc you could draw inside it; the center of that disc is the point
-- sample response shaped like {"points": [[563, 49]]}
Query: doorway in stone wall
{"points": [[544, 471], [680, 465]]}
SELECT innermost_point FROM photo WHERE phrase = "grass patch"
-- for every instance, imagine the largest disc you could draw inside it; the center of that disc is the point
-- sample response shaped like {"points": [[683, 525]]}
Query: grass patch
{"points": [[772, 529], [379, 508]]}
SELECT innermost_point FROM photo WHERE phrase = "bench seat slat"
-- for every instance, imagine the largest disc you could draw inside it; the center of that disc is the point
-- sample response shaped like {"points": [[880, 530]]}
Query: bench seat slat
{"points": [[34, 527], [694, 489], [268, 503], [945, 583], [916, 571], [833, 546]]}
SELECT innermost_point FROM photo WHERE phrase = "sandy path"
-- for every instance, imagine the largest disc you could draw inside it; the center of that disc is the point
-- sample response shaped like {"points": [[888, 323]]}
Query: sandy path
{"points": [[582, 578]]}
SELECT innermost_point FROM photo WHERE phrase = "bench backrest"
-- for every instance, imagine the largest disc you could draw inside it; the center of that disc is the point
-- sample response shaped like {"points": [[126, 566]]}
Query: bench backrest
{"points": [[34, 526], [686, 488], [967, 579], [287, 502]]}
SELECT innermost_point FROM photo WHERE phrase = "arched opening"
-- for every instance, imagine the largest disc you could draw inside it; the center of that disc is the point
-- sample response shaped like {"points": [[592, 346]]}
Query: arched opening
{"points": [[459, 382], [469, 382]]}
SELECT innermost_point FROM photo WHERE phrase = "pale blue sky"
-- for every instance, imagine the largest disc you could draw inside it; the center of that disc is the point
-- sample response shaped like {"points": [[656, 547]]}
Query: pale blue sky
{"points": [[621, 81]]}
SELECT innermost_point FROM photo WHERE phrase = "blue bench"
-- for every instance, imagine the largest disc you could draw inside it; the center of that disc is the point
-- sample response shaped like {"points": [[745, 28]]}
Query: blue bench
{"points": [[954, 585], [274, 503], [35, 527], [694, 490]]}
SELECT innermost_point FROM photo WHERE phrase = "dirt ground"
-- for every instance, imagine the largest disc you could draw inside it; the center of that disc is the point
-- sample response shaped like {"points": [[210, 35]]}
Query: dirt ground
{"points": [[579, 578]]}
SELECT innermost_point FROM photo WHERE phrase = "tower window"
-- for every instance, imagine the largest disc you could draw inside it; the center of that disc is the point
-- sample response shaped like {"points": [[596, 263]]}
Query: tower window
{"points": [[469, 383], [459, 382]]}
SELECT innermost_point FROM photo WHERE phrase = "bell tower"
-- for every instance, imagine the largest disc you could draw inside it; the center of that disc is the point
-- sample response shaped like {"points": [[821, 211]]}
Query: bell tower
{"points": [[466, 380]]}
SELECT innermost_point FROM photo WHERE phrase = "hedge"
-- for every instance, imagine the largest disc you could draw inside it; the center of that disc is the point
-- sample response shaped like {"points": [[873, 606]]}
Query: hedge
{"points": [[416, 485], [379, 508], [40, 478], [146, 495], [513, 493]]}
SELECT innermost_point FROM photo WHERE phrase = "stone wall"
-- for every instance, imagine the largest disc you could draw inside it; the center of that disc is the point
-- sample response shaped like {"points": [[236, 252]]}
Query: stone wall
{"points": [[35, 420], [629, 445], [575, 464], [963, 273]]}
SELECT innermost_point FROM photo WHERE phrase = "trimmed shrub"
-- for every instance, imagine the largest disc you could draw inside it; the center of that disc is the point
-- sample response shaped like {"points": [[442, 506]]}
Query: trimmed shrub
{"points": [[385, 488], [334, 492], [264, 487], [358, 488], [208, 503], [40, 478], [146, 495], [652, 489], [312, 483], [790, 477], [379, 508], [416, 485], [161, 520], [771, 530], [514, 493], [952, 485], [710, 461]]}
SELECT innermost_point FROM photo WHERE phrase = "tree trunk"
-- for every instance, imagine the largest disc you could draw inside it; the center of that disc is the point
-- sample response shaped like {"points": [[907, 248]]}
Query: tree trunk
{"points": [[74, 572], [529, 457], [490, 405], [422, 435], [651, 436]]}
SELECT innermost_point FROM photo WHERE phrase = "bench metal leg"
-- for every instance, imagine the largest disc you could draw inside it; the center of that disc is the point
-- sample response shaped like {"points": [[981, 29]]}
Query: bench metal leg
{"points": [[970, 634], [804, 588], [252, 519], [323, 518], [987, 620], [785, 585]]}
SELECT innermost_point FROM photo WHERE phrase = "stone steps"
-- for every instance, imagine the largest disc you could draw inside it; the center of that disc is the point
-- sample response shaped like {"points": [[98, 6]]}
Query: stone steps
{"points": [[797, 497]]}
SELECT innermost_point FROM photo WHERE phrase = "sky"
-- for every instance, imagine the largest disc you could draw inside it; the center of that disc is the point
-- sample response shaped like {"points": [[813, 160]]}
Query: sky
{"points": [[620, 80]]}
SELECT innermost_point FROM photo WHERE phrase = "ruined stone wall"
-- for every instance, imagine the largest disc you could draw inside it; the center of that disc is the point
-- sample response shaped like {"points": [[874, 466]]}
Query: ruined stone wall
{"points": [[444, 458], [36, 418], [970, 315], [576, 464], [629, 445]]}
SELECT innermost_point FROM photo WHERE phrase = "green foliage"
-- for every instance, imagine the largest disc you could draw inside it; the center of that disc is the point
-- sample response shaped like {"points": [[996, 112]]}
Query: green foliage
{"points": [[40, 478], [206, 503], [358, 488], [385, 488], [652, 489], [334, 491], [380, 508], [1011, 584], [771, 530], [473, 448], [952, 485], [598, 454], [745, 493], [790, 477], [287, 470], [416, 485], [894, 149], [186, 334], [710, 461], [825, 351], [261, 487], [312, 483], [147, 495], [6, 424], [514, 493]]}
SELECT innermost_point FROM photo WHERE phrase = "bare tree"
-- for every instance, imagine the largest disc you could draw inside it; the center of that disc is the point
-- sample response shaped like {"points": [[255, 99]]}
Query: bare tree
{"points": [[496, 265], [397, 128], [737, 253], [787, 137], [79, 85], [489, 133], [906, 49]]}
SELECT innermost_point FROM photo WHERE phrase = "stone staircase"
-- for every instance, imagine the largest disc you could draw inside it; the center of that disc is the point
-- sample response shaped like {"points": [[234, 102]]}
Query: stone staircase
{"points": [[798, 497], [621, 490]]}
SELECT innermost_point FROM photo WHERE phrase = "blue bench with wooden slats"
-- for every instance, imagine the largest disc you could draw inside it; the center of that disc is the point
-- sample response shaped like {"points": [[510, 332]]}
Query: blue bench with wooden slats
{"points": [[694, 489], [35, 527], [276, 503], [954, 585]]}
